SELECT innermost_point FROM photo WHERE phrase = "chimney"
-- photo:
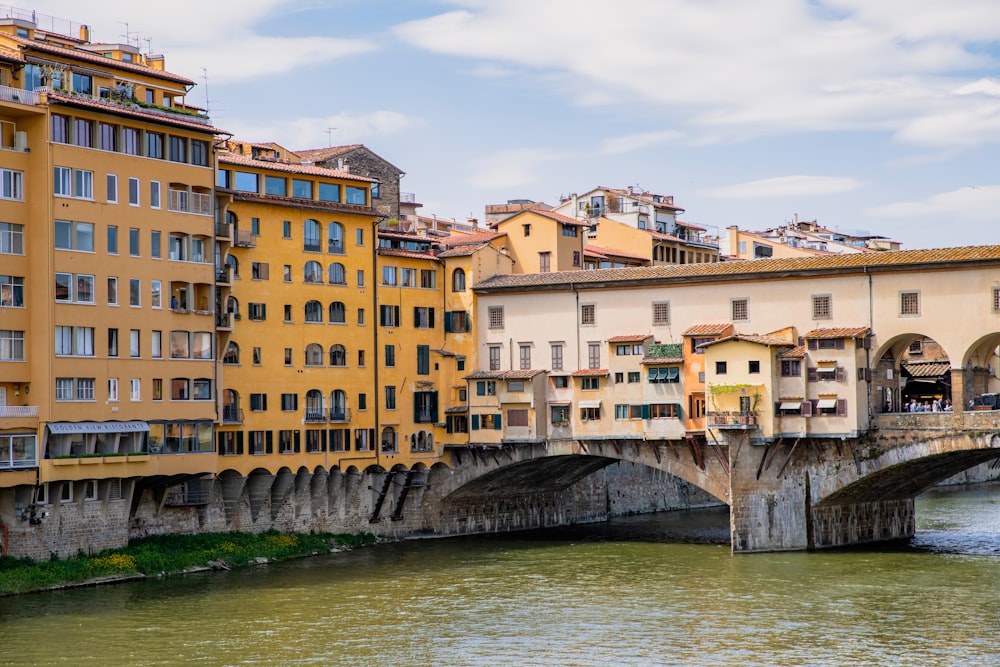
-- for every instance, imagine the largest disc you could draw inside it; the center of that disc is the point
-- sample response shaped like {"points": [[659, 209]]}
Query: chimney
{"points": [[84, 33]]}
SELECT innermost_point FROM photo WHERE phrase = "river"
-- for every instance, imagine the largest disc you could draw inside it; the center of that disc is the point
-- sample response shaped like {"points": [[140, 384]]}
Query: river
{"points": [[641, 591]]}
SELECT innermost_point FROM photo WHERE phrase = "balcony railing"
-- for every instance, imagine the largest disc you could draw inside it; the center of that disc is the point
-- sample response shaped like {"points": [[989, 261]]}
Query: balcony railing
{"points": [[8, 94], [232, 415], [732, 420], [222, 230], [18, 411], [224, 320], [315, 415], [183, 201], [340, 415], [224, 274], [244, 239]]}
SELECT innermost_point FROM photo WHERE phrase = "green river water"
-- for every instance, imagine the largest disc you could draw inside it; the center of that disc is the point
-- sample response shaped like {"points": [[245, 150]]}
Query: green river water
{"points": [[650, 590]]}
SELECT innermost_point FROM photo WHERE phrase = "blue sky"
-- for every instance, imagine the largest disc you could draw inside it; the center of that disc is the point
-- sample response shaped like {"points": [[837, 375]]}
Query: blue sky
{"points": [[877, 116]]}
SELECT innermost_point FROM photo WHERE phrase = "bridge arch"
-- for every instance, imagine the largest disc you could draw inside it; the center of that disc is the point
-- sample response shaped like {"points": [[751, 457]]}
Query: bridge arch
{"points": [[912, 371]]}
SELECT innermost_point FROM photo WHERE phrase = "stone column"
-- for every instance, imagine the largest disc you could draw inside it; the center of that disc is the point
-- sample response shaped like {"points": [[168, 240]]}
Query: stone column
{"points": [[959, 403]]}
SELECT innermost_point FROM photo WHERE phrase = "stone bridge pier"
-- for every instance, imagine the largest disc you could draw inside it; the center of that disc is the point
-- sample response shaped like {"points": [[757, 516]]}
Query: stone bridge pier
{"points": [[812, 493]]}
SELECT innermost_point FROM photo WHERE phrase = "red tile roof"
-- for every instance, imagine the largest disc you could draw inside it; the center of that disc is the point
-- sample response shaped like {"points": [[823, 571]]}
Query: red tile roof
{"points": [[927, 369], [630, 338], [662, 360], [166, 118], [708, 330], [797, 352], [321, 154], [552, 215], [33, 45], [462, 250], [590, 372], [769, 341], [397, 252], [456, 239], [242, 160], [839, 332], [504, 375], [602, 251]]}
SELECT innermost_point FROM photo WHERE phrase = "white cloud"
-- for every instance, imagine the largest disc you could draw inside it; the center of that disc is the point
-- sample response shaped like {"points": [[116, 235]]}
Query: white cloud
{"points": [[511, 168], [786, 186], [972, 203], [311, 132], [633, 142], [738, 68]]}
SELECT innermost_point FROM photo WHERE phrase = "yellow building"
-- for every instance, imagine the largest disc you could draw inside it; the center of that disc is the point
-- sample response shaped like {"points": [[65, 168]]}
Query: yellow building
{"points": [[107, 357]]}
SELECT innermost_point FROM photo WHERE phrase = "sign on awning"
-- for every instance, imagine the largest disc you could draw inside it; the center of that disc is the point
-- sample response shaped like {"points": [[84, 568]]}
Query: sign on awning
{"points": [[97, 427]]}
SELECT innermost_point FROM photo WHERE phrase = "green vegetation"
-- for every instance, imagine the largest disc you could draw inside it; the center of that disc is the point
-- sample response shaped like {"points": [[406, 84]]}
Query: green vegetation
{"points": [[170, 554]]}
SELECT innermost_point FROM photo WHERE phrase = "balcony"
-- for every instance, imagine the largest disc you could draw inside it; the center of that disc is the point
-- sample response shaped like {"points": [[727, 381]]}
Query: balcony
{"points": [[224, 275], [732, 420], [315, 415], [8, 94], [222, 230], [340, 415], [196, 203], [232, 415], [244, 239], [18, 411], [224, 321]]}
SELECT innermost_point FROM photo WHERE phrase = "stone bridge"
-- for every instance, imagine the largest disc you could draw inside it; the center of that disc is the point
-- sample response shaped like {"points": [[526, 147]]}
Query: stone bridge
{"points": [[807, 493]]}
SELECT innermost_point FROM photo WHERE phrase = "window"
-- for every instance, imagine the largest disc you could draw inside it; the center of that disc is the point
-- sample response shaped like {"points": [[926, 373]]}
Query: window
{"points": [[456, 321], [246, 182], [822, 306], [12, 184], [112, 342], [338, 355], [791, 368], [423, 317], [135, 390], [355, 195], [157, 389], [74, 341], [74, 389], [753, 366], [313, 312], [83, 83], [156, 294], [257, 312], [154, 244], [494, 357], [560, 415], [664, 411], [156, 345], [628, 350], [336, 275], [524, 353], [390, 356], [569, 230], [557, 356], [133, 241], [740, 309], [335, 238], [720, 367], [74, 236], [130, 141], [314, 355], [60, 128], [302, 189], [661, 313], [199, 153], [389, 316], [590, 383], [154, 194], [107, 137], [288, 356], [390, 398], [11, 238], [428, 279], [133, 191], [83, 132], [259, 271], [515, 385], [133, 343], [458, 280], [544, 262], [112, 187], [289, 402], [408, 277], [389, 276], [361, 317], [256, 356], [495, 317], [909, 304], [112, 239], [154, 144], [587, 314], [133, 292], [258, 402], [916, 347], [486, 388], [994, 302], [576, 256], [112, 291], [669, 375], [423, 360], [12, 291], [11, 345], [517, 417], [74, 288], [359, 237], [178, 149], [328, 192], [594, 355], [590, 414], [361, 279]]}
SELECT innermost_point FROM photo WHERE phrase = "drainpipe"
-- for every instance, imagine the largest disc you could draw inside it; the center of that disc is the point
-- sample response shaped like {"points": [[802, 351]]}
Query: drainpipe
{"points": [[577, 316], [377, 438], [868, 351]]}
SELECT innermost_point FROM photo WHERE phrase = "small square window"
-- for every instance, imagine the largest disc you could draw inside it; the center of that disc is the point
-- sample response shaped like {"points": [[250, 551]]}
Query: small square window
{"points": [[661, 313], [822, 307], [741, 310], [588, 314], [753, 366], [909, 303], [720, 368], [496, 317]]}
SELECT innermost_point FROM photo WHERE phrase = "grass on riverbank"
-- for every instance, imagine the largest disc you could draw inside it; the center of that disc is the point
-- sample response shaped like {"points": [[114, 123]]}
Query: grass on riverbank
{"points": [[170, 554]]}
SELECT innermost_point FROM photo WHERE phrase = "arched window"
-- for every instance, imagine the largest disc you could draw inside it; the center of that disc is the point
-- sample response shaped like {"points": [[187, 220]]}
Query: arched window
{"points": [[231, 218], [314, 355], [338, 405], [338, 355], [233, 307], [314, 311], [311, 236], [388, 439], [314, 406], [458, 280], [338, 314], [234, 265], [313, 272], [232, 355], [231, 407], [335, 238], [337, 274]]}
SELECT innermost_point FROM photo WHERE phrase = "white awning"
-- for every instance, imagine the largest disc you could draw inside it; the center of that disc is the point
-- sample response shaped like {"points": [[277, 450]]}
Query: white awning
{"points": [[97, 427], [790, 405], [827, 403], [589, 404]]}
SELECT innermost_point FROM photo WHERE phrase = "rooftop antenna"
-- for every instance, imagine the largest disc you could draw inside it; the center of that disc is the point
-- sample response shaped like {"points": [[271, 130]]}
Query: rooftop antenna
{"points": [[127, 35], [149, 44], [329, 136], [208, 102]]}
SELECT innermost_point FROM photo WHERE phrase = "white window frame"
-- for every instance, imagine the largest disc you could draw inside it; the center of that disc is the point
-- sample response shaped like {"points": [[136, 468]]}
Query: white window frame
{"points": [[113, 390], [135, 390], [134, 194], [155, 195], [112, 184]]}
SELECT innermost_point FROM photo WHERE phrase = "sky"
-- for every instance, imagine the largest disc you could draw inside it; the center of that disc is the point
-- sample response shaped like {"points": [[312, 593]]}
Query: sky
{"points": [[880, 117]]}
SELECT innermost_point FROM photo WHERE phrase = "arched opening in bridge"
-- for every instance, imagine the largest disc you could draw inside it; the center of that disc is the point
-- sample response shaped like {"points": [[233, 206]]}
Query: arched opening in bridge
{"points": [[913, 373]]}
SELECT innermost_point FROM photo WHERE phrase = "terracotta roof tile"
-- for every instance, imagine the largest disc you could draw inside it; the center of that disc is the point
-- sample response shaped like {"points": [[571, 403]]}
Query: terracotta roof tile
{"points": [[552, 215], [838, 332], [927, 369], [724, 271], [292, 202], [34, 45], [178, 120], [797, 352], [612, 252], [234, 159], [504, 375], [397, 252], [708, 330], [630, 338], [769, 341], [590, 372], [462, 250], [457, 239], [662, 360], [320, 154]]}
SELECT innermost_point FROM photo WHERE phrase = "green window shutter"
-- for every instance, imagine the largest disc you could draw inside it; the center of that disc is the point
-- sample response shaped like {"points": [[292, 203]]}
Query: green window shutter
{"points": [[652, 375], [644, 411], [430, 317], [480, 388], [347, 439], [448, 326], [239, 442], [497, 421], [416, 316], [297, 447], [475, 423], [322, 441], [434, 407]]}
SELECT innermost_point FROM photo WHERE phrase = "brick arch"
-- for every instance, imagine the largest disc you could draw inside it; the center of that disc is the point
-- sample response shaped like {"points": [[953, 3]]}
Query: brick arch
{"points": [[555, 466]]}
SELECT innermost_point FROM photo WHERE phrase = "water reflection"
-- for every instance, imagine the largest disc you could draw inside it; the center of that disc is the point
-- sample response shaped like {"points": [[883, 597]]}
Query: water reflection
{"points": [[653, 590]]}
